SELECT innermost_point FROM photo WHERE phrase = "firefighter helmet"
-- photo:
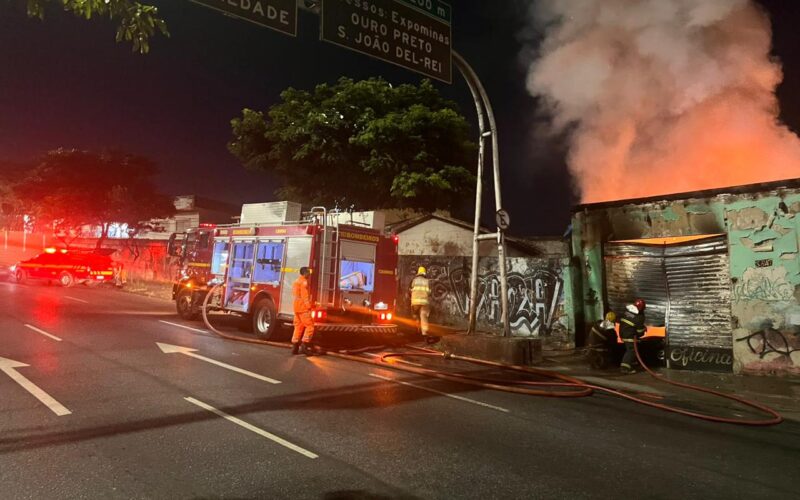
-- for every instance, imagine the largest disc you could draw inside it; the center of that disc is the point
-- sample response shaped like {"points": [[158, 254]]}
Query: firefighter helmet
{"points": [[611, 316], [421, 270], [640, 304]]}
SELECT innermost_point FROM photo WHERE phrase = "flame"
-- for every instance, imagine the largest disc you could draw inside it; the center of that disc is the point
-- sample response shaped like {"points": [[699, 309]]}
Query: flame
{"points": [[662, 96]]}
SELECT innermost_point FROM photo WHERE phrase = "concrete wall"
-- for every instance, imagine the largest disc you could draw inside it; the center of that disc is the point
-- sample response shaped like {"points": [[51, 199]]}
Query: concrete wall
{"points": [[438, 237], [537, 305], [763, 232]]}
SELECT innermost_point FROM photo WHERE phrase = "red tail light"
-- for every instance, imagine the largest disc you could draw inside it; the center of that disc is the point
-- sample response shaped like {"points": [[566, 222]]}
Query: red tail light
{"points": [[319, 314]]}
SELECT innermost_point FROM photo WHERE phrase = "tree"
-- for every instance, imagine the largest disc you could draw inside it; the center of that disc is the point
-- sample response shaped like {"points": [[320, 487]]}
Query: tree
{"points": [[70, 189], [137, 22], [365, 143]]}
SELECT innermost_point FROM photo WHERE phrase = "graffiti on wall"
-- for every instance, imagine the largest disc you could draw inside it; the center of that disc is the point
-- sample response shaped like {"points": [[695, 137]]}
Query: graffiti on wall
{"points": [[771, 341], [535, 294], [763, 284]]}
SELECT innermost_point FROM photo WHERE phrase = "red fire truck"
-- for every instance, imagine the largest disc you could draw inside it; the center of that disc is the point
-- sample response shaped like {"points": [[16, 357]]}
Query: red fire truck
{"points": [[353, 272]]}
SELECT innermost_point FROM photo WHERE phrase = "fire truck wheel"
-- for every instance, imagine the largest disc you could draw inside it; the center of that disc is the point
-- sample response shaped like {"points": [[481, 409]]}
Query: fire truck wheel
{"points": [[183, 303], [265, 322], [66, 279], [20, 276]]}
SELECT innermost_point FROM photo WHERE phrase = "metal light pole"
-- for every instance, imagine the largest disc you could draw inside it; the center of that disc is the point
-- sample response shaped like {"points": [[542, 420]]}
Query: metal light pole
{"points": [[485, 112]]}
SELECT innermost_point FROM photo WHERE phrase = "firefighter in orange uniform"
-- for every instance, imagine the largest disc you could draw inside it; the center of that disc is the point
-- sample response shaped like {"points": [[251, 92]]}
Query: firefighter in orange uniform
{"points": [[303, 322]]}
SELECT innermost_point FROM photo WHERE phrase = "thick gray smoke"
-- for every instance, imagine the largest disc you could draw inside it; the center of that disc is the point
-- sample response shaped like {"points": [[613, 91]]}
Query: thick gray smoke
{"points": [[662, 96]]}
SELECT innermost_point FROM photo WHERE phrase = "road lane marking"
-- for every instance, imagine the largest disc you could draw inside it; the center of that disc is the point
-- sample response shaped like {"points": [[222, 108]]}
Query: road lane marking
{"points": [[183, 326], [253, 428], [171, 349], [460, 398], [8, 366], [76, 299], [37, 330]]}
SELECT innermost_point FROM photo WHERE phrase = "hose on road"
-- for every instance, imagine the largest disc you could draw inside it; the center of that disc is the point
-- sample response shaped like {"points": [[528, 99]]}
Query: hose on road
{"points": [[555, 385]]}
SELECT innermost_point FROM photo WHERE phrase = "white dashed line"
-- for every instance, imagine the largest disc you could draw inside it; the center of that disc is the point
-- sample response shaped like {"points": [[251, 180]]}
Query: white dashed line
{"points": [[460, 398], [253, 428], [37, 330], [183, 326], [76, 299]]}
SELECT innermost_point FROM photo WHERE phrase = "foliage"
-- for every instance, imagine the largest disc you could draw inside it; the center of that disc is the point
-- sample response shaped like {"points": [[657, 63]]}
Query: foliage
{"points": [[70, 189], [137, 22], [366, 143]]}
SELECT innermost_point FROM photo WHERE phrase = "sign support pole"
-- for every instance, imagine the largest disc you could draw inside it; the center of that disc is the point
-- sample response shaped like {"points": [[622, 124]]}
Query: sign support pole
{"points": [[485, 112]]}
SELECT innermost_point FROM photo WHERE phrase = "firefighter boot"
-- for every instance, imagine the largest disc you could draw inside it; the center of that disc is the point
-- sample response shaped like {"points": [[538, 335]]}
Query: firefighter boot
{"points": [[295, 348], [307, 349]]}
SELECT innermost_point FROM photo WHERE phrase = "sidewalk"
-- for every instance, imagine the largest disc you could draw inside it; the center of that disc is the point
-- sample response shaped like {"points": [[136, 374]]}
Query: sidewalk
{"points": [[779, 393]]}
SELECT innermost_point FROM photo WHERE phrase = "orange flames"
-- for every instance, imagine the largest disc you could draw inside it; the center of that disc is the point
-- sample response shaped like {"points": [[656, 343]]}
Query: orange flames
{"points": [[663, 96]]}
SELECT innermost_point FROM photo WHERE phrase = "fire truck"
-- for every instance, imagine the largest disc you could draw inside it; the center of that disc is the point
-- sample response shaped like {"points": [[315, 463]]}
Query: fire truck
{"points": [[353, 269]]}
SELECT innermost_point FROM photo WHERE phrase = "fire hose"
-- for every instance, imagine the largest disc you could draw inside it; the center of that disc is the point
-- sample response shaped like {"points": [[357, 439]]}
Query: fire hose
{"points": [[557, 385]]}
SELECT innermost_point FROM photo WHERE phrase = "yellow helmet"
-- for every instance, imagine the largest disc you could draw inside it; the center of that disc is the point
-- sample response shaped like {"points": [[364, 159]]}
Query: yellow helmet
{"points": [[421, 270], [611, 316]]}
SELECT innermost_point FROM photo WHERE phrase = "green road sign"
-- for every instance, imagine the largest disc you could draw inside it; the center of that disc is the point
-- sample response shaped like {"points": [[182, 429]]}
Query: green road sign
{"points": [[280, 15], [414, 34]]}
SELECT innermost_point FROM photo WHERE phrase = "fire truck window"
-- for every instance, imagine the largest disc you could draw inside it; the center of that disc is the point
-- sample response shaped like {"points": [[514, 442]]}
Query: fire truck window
{"points": [[269, 260], [202, 241], [356, 275], [219, 259], [242, 260]]}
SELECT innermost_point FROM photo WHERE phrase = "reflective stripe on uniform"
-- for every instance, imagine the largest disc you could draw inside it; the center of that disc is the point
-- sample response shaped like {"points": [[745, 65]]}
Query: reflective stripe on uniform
{"points": [[627, 322]]}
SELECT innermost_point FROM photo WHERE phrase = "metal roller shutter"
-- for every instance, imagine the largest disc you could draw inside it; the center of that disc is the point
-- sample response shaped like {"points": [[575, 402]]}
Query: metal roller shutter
{"points": [[687, 289]]}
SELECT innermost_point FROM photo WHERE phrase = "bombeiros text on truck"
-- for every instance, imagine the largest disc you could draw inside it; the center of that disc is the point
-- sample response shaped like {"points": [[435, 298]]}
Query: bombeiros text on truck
{"points": [[353, 268]]}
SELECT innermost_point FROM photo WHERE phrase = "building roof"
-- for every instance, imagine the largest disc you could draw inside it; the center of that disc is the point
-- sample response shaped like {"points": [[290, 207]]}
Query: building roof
{"points": [[707, 193], [404, 225]]}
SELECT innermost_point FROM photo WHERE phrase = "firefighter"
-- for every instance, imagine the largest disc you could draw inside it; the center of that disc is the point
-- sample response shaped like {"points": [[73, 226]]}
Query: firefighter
{"points": [[420, 299], [303, 322], [602, 340], [631, 328]]}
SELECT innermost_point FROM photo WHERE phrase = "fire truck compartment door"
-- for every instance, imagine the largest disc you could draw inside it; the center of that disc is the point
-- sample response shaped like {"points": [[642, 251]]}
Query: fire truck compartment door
{"points": [[240, 271], [298, 254], [269, 262], [357, 270]]}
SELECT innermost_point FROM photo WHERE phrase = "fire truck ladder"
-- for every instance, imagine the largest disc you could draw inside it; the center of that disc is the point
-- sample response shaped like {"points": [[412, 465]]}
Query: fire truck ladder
{"points": [[329, 259]]}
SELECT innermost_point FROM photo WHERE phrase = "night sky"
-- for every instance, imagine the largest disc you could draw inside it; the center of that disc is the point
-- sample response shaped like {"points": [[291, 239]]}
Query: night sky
{"points": [[64, 82]]}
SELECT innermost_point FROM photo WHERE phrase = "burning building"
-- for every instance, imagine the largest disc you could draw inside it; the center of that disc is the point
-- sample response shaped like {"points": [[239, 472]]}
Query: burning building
{"points": [[720, 270]]}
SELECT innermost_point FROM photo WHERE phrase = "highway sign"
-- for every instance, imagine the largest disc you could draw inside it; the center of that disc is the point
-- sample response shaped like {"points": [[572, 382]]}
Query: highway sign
{"points": [[280, 15], [414, 34]]}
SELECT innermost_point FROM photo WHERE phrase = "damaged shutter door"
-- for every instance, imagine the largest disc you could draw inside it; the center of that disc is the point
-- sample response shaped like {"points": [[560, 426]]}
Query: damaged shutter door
{"points": [[636, 271], [699, 316]]}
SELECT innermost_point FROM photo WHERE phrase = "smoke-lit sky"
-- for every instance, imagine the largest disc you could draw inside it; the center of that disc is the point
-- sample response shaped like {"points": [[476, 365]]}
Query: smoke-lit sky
{"points": [[65, 83]]}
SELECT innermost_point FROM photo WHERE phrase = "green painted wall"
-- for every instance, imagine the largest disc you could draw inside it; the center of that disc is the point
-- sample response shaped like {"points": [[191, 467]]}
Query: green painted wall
{"points": [[763, 231]]}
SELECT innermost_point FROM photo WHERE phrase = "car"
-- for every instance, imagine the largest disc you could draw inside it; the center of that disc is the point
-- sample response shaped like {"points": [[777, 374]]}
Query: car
{"points": [[68, 267]]}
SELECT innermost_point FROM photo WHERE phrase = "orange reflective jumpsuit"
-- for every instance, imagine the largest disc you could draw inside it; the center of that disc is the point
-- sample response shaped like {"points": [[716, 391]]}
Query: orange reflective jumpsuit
{"points": [[303, 322]]}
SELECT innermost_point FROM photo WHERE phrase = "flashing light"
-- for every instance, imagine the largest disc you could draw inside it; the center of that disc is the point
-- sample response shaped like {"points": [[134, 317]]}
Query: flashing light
{"points": [[189, 285], [319, 314], [396, 239], [388, 316], [50, 250], [63, 250], [381, 306]]}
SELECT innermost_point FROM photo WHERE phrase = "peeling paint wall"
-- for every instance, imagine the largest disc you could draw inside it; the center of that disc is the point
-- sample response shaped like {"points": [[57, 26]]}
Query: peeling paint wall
{"points": [[536, 294], [763, 233]]}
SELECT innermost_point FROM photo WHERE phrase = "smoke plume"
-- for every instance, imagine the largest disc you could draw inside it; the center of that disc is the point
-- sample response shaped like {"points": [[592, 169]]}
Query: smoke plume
{"points": [[662, 96]]}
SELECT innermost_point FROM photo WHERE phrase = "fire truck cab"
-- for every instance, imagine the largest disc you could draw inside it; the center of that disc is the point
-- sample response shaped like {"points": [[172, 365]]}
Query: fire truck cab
{"points": [[353, 271]]}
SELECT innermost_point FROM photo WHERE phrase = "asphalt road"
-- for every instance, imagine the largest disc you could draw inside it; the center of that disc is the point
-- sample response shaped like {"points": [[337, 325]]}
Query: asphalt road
{"points": [[117, 417]]}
